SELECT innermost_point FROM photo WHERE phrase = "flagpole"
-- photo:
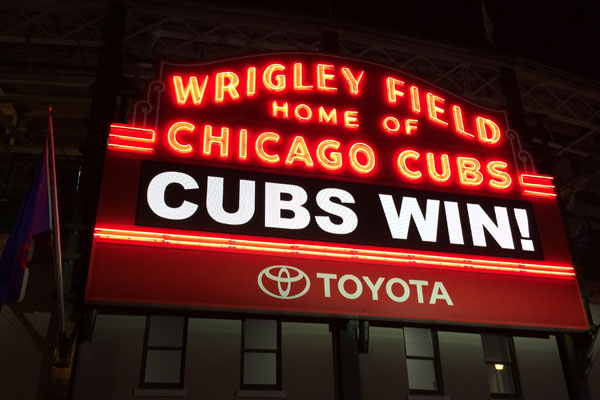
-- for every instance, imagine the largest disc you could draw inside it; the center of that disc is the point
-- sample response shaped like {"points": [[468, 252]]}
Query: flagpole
{"points": [[55, 225]]}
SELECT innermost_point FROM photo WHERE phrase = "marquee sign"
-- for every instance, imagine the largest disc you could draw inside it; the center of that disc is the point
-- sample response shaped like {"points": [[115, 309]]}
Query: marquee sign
{"points": [[315, 184]]}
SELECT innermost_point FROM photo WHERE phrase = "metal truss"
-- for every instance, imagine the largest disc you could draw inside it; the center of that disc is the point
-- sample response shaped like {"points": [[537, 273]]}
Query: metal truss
{"points": [[572, 112], [51, 54], [211, 34]]}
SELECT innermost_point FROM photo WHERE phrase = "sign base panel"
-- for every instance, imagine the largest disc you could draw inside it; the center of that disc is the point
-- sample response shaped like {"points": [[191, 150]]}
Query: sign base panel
{"points": [[223, 280]]}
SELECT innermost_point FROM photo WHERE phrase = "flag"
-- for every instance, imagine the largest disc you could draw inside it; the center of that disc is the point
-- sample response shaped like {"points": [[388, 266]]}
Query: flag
{"points": [[33, 218]]}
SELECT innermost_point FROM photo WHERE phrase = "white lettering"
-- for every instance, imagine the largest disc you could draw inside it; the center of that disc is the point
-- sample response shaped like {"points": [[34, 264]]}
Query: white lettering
{"points": [[349, 218], [439, 293], [156, 195], [419, 285], [353, 292], [274, 205], [453, 221], [390, 293], [326, 282], [342, 289], [214, 202], [399, 223], [501, 232], [374, 287]]}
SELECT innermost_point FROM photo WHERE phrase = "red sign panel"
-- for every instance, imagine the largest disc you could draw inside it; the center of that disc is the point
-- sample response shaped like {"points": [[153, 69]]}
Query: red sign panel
{"points": [[316, 184]]}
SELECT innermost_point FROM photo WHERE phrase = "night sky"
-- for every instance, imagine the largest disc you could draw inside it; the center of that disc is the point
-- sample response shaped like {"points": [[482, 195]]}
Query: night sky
{"points": [[565, 35]]}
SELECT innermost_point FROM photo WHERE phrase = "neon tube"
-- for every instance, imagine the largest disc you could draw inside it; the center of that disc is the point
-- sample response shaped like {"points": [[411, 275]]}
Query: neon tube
{"points": [[327, 251]]}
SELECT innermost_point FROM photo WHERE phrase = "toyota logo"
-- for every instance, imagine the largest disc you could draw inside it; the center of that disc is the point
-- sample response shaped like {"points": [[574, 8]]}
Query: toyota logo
{"points": [[283, 282]]}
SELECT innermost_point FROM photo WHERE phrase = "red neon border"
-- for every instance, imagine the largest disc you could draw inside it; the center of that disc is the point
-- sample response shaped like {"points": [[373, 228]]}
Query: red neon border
{"points": [[324, 250], [545, 189], [118, 132]]}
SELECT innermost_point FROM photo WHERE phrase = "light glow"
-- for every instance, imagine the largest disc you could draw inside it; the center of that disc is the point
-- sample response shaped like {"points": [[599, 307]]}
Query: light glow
{"points": [[303, 112], [243, 145], [230, 87], [351, 119], [535, 193], [433, 174], [403, 168], [251, 82], [393, 91], [537, 185], [434, 110], [131, 139], [174, 144], [130, 149], [222, 141], [324, 75], [299, 152], [459, 124], [236, 243], [268, 76], [326, 118], [367, 152], [133, 134], [415, 103], [410, 125], [487, 130], [298, 84], [468, 171], [502, 179], [277, 109], [192, 88], [260, 147], [353, 83], [334, 160], [391, 124]]}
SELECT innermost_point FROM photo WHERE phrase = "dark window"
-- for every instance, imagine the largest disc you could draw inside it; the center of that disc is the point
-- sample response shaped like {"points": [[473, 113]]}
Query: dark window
{"points": [[261, 354], [498, 351], [163, 360], [422, 361]]}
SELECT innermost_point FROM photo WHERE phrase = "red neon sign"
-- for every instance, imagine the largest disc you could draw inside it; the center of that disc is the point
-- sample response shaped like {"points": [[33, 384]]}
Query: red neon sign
{"points": [[476, 166], [131, 139], [429, 155]]}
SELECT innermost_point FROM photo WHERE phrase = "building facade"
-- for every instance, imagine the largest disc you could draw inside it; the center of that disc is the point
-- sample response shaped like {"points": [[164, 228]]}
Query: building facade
{"points": [[159, 347]]}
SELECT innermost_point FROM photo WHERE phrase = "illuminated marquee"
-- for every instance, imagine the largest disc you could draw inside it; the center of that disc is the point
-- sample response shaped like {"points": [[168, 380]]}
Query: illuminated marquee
{"points": [[470, 150], [325, 164]]}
